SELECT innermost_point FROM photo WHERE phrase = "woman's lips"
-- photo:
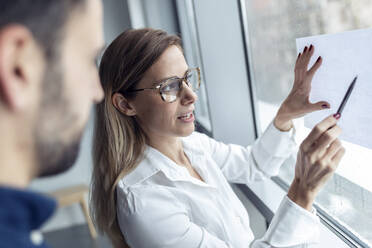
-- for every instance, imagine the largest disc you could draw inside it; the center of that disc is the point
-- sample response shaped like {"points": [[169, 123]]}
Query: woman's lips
{"points": [[188, 117]]}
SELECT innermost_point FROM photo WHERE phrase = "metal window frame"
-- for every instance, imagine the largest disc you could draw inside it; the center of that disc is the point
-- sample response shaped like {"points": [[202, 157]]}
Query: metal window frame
{"points": [[333, 225], [188, 7]]}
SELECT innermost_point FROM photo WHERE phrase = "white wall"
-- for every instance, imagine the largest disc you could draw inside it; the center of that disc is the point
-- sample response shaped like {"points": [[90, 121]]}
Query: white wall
{"points": [[116, 20]]}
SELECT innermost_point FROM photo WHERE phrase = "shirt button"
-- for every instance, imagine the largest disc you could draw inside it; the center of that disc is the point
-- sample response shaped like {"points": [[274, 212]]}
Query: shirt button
{"points": [[36, 238]]}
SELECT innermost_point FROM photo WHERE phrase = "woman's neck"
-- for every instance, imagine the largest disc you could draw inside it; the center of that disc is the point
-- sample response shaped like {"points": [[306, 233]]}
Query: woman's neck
{"points": [[172, 148]]}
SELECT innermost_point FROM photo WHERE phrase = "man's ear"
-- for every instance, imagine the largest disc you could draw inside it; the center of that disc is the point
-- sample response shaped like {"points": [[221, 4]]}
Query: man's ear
{"points": [[16, 45], [123, 105]]}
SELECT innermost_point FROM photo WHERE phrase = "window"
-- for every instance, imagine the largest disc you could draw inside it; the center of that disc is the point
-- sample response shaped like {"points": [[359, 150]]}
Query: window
{"points": [[271, 30], [190, 42]]}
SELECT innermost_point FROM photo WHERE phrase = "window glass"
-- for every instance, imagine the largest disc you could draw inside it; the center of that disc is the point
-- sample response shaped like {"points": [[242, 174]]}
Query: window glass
{"points": [[272, 28], [190, 42]]}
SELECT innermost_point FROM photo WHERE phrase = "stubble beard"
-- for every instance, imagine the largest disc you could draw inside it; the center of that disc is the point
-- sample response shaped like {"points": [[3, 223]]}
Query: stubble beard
{"points": [[54, 153]]}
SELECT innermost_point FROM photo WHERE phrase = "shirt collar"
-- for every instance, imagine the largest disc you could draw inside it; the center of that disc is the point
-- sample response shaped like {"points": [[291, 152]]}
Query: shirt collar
{"points": [[24, 209], [154, 161]]}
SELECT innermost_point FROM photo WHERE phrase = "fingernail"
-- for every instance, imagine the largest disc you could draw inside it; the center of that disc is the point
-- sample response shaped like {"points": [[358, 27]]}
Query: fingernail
{"points": [[311, 47], [325, 106], [298, 55], [305, 48], [318, 58], [337, 116]]}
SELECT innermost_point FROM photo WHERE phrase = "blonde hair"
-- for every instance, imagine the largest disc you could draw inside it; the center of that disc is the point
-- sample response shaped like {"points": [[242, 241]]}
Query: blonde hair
{"points": [[119, 142]]}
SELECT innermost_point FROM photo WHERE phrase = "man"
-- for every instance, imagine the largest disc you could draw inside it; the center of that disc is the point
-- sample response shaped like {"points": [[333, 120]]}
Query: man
{"points": [[48, 83]]}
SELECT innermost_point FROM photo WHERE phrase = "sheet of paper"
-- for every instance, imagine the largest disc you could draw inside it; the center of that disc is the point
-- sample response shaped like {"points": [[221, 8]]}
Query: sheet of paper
{"points": [[345, 55]]}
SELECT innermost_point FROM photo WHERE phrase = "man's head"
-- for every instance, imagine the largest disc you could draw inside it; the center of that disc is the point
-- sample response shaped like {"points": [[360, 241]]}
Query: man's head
{"points": [[48, 77]]}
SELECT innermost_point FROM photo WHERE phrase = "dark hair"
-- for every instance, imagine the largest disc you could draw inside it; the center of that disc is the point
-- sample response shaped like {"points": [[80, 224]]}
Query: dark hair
{"points": [[119, 141], [45, 19]]}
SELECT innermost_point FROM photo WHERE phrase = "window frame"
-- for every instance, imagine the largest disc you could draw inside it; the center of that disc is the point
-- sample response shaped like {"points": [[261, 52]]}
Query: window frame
{"points": [[191, 44], [348, 237]]}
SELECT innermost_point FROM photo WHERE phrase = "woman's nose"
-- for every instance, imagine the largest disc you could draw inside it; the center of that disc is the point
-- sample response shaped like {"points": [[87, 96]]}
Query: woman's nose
{"points": [[188, 96]]}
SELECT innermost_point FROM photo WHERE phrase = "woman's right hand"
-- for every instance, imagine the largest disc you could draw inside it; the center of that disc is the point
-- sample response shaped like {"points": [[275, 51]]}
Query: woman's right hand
{"points": [[297, 103], [317, 159]]}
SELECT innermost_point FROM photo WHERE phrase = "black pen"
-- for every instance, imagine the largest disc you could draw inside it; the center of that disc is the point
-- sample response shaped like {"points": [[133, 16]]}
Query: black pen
{"points": [[346, 97]]}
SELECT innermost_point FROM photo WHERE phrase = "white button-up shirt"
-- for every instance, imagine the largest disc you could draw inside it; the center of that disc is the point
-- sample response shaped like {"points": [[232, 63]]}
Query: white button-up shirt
{"points": [[160, 205]]}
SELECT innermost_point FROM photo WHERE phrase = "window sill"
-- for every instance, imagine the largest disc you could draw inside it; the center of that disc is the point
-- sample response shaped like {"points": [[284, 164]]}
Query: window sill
{"points": [[270, 195]]}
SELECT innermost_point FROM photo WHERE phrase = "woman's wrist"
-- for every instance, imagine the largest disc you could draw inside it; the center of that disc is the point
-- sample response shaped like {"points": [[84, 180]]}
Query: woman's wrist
{"points": [[282, 120], [283, 124], [302, 197]]}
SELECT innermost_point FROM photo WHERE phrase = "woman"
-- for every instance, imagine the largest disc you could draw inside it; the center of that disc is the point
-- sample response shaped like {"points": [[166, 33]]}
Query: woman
{"points": [[157, 183]]}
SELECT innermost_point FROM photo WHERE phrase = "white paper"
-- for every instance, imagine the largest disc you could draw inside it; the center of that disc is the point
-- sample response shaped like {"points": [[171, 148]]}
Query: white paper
{"points": [[345, 55]]}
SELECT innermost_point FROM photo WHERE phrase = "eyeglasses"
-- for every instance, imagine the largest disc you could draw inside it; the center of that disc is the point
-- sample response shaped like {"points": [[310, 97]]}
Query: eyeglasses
{"points": [[170, 88]]}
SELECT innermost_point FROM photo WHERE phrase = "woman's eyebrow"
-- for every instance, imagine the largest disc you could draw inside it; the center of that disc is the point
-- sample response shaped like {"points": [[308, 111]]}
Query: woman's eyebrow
{"points": [[157, 82]]}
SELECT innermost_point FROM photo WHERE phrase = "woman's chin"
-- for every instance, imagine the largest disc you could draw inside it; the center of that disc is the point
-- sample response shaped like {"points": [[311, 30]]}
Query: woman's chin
{"points": [[186, 131]]}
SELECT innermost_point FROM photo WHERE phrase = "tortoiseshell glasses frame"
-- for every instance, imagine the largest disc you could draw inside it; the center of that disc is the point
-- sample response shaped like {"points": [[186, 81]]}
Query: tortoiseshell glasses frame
{"points": [[169, 88]]}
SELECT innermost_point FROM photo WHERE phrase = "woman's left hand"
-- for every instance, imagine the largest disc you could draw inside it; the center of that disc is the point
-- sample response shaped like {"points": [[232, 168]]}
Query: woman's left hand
{"points": [[317, 159], [297, 103]]}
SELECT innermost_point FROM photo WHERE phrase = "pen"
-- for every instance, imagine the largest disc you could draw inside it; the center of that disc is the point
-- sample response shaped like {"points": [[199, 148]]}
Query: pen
{"points": [[346, 97]]}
